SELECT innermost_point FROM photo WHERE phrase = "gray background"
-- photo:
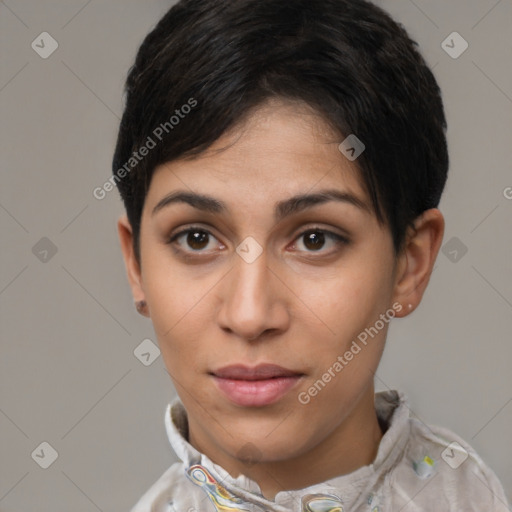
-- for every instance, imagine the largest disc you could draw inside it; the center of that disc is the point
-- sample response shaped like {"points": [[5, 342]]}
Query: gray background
{"points": [[68, 373]]}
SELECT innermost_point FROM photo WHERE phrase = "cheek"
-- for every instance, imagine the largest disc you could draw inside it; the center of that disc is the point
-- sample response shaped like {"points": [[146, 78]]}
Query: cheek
{"points": [[172, 291], [348, 301], [349, 304], [179, 313]]}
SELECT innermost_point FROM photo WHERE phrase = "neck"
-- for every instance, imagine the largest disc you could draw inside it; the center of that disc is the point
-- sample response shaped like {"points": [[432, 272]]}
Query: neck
{"points": [[353, 444]]}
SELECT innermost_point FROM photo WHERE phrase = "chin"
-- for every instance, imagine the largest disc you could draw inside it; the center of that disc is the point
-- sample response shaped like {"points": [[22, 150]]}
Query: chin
{"points": [[267, 449]]}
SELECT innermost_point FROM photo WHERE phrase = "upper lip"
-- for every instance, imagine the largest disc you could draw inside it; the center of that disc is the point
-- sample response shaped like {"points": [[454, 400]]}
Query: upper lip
{"points": [[259, 372]]}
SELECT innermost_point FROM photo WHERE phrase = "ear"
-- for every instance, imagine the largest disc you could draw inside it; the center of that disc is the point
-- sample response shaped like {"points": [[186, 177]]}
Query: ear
{"points": [[416, 261], [133, 272]]}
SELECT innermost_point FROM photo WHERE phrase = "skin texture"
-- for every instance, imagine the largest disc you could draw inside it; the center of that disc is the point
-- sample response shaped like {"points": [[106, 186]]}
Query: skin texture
{"points": [[300, 304]]}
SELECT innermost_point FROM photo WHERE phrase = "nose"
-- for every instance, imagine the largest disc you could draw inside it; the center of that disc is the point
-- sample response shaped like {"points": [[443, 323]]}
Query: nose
{"points": [[253, 300]]}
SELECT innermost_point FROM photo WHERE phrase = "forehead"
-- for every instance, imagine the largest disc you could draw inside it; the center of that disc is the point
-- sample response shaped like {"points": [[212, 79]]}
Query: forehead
{"points": [[282, 148]]}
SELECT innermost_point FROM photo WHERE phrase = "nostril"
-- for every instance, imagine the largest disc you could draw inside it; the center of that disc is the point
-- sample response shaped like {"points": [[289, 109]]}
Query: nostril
{"points": [[266, 332]]}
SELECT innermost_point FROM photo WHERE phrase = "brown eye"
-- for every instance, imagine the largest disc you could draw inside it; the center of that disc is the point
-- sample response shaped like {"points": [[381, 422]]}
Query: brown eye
{"points": [[314, 240], [320, 241], [194, 240], [197, 240]]}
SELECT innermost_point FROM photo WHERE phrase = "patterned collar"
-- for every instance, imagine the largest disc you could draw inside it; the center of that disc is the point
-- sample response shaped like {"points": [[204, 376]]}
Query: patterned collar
{"points": [[334, 495]]}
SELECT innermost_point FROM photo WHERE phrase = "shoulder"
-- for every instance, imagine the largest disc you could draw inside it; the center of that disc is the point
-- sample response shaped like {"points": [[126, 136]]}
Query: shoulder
{"points": [[442, 470], [172, 492]]}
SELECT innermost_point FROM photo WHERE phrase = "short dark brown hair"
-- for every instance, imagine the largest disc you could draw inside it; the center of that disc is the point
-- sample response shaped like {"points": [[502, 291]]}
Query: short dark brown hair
{"points": [[348, 59]]}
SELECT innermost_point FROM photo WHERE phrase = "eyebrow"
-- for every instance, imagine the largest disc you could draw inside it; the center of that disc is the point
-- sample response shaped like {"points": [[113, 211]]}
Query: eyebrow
{"points": [[282, 209]]}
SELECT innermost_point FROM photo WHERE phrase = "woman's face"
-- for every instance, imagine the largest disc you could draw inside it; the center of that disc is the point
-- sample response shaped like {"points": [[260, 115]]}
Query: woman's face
{"points": [[285, 264]]}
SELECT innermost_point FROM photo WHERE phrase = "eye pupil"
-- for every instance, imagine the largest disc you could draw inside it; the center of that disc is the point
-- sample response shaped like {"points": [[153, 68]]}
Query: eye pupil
{"points": [[314, 240], [197, 239]]}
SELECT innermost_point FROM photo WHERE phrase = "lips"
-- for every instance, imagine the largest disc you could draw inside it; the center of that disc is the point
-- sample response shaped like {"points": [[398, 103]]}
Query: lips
{"points": [[258, 386], [260, 372]]}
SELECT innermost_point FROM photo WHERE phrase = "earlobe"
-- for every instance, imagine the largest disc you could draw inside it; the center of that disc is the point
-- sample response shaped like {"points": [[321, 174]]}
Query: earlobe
{"points": [[417, 260], [132, 266]]}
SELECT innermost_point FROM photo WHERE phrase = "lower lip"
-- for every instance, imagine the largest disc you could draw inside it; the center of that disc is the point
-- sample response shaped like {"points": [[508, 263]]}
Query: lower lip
{"points": [[256, 393]]}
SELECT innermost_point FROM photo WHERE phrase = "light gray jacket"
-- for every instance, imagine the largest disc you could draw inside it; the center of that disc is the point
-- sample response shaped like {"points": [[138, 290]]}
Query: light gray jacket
{"points": [[418, 468]]}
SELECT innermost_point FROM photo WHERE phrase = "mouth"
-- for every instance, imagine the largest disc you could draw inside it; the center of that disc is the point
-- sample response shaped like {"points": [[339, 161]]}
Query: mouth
{"points": [[257, 386]]}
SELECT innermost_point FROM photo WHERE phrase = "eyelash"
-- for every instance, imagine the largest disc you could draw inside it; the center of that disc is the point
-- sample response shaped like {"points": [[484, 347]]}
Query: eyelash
{"points": [[338, 239]]}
